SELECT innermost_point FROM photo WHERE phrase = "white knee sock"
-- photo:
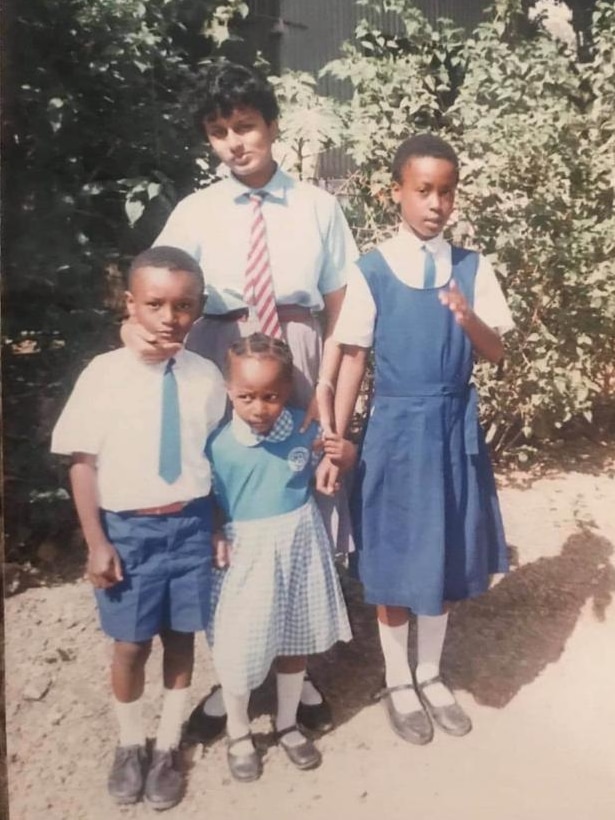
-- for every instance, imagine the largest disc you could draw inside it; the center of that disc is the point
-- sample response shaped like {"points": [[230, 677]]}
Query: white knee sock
{"points": [[171, 718], [130, 721], [394, 643], [431, 631], [214, 705], [238, 721], [289, 687]]}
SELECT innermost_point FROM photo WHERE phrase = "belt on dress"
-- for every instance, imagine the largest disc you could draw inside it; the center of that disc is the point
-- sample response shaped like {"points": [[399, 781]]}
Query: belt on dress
{"points": [[286, 313], [470, 415], [165, 509]]}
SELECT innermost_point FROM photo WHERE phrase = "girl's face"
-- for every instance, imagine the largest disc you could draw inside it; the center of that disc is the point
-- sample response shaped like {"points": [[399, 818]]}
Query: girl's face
{"points": [[426, 194], [258, 391], [243, 141]]}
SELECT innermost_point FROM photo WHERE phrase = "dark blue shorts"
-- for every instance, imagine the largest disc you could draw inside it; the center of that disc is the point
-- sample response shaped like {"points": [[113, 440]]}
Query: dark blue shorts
{"points": [[167, 573]]}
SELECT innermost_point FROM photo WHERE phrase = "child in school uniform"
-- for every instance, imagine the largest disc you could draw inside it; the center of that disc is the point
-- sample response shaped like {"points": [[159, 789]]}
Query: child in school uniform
{"points": [[141, 484], [427, 517], [280, 599]]}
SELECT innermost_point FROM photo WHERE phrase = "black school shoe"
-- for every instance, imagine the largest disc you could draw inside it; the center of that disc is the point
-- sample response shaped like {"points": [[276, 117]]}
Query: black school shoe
{"points": [[414, 727], [203, 728], [451, 719], [304, 755], [317, 718], [127, 776], [164, 785]]}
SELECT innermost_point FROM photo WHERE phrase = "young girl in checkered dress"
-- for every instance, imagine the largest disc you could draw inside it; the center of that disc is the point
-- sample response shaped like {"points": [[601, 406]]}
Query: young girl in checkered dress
{"points": [[280, 598]]}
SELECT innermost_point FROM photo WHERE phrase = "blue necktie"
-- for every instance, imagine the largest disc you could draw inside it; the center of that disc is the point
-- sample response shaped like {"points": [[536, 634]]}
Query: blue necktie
{"points": [[429, 269], [170, 464]]}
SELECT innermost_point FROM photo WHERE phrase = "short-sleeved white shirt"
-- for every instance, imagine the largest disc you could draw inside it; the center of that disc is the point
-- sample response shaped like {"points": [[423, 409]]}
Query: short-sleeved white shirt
{"points": [[309, 241], [114, 413], [405, 256]]}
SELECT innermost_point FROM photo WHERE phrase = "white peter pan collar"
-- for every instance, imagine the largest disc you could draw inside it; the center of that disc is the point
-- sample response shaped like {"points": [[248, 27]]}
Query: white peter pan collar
{"points": [[280, 431]]}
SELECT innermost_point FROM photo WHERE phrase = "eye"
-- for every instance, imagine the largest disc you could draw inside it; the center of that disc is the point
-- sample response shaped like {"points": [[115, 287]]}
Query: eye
{"points": [[272, 397], [153, 303], [185, 306]]}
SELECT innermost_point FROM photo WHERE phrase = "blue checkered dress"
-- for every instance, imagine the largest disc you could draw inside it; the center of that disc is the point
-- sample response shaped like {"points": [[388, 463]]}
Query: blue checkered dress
{"points": [[281, 594]]}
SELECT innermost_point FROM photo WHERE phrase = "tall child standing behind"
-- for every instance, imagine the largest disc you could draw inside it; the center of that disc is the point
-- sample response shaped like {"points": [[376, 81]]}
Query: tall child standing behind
{"points": [[141, 485], [280, 599], [428, 519]]}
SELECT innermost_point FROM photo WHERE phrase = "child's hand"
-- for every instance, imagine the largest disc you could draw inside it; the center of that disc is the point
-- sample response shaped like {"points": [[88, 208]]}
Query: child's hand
{"points": [[104, 567], [222, 550], [341, 452], [145, 345], [327, 477], [454, 299]]}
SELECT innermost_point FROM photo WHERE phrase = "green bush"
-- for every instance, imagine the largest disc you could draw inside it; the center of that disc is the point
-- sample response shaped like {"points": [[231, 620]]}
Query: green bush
{"points": [[534, 131]]}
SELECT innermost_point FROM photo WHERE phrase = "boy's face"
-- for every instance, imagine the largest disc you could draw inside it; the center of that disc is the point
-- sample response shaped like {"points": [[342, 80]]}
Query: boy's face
{"points": [[243, 141], [165, 302], [426, 194], [258, 391]]}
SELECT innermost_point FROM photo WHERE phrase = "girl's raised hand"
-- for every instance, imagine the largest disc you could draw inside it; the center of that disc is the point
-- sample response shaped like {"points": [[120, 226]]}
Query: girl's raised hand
{"points": [[455, 301], [341, 452]]}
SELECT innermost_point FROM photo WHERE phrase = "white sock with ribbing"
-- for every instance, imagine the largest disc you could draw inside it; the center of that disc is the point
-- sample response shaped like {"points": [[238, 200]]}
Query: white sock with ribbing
{"points": [[431, 631], [238, 721], [171, 718], [394, 643], [130, 722], [288, 686]]}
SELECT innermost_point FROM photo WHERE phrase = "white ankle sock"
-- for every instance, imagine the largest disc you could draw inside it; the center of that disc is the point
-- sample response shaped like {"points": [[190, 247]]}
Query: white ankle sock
{"points": [[394, 643], [130, 720], [310, 694], [431, 631], [289, 687], [238, 721], [214, 705], [171, 718]]}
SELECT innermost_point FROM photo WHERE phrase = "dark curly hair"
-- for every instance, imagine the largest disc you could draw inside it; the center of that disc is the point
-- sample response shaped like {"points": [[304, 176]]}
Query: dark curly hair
{"points": [[260, 346], [225, 86], [422, 145]]}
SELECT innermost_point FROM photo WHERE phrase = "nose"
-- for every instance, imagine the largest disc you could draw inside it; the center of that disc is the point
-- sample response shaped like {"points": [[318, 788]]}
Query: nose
{"points": [[166, 315], [234, 142]]}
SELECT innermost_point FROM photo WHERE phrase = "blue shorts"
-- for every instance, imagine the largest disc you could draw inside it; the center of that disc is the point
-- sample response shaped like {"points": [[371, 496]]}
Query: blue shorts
{"points": [[167, 573]]}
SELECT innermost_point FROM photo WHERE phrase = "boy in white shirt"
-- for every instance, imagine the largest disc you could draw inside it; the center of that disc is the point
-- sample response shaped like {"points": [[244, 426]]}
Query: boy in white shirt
{"points": [[141, 485]]}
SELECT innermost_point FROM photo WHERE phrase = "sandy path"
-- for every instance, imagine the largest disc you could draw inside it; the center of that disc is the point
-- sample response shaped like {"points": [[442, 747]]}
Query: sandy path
{"points": [[533, 662]]}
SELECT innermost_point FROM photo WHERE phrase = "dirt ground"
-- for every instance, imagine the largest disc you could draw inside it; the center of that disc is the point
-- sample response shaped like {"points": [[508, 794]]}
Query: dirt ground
{"points": [[533, 662]]}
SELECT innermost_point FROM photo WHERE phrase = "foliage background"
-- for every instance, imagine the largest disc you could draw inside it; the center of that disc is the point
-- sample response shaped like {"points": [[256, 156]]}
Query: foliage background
{"points": [[98, 148]]}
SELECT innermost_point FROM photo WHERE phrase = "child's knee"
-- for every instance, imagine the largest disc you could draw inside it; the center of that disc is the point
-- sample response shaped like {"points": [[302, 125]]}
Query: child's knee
{"points": [[131, 655]]}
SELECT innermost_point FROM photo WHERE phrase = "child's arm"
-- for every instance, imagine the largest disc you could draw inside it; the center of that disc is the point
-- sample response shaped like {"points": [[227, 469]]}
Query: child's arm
{"points": [[485, 341], [221, 546], [104, 568], [352, 369]]}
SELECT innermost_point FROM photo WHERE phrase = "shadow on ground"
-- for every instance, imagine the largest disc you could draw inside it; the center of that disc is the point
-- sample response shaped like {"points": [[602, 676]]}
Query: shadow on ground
{"points": [[496, 644]]}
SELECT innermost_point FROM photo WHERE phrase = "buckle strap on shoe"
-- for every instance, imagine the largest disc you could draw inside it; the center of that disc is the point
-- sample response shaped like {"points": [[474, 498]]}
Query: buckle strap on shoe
{"points": [[283, 732], [424, 684], [387, 690]]}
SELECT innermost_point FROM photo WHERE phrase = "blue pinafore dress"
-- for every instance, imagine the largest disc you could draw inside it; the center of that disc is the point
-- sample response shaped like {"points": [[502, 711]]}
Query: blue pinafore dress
{"points": [[426, 512]]}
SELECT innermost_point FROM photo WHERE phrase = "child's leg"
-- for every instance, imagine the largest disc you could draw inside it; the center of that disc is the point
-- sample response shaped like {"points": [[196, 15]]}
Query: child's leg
{"points": [[431, 631], [300, 750], [290, 671], [127, 684], [238, 721], [177, 664], [393, 630]]}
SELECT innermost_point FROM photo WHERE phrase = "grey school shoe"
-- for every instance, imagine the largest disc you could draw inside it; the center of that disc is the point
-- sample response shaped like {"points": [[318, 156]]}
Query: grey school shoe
{"points": [[451, 719], [127, 775], [245, 767], [164, 786], [415, 727]]}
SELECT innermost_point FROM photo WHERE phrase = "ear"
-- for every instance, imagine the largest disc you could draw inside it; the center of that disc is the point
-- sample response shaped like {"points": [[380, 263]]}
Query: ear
{"points": [[130, 303], [274, 130], [396, 193]]}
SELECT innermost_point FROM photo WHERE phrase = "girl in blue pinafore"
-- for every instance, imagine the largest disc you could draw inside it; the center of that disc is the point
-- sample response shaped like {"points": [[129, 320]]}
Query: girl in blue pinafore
{"points": [[428, 523], [280, 598]]}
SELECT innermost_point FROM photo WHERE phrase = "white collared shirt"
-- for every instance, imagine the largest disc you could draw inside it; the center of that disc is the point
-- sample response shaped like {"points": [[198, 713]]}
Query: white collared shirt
{"points": [[405, 255], [114, 413], [309, 241]]}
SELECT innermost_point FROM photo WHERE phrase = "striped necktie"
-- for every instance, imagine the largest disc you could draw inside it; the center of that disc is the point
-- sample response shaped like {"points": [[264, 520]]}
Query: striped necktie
{"points": [[258, 286], [170, 463], [429, 269]]}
